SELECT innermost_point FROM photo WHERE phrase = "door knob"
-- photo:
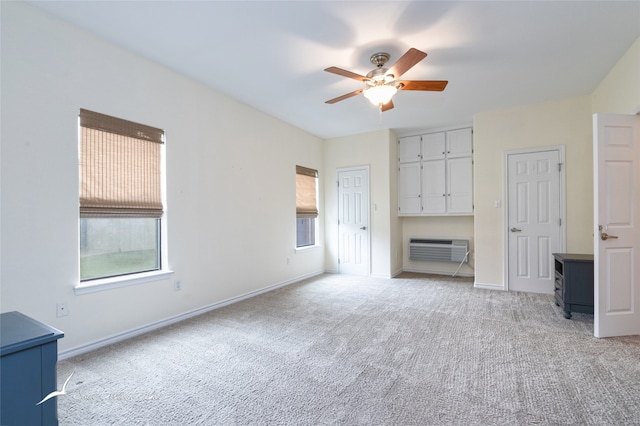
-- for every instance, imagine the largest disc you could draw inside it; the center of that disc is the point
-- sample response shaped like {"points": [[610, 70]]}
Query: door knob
{"points": [[363, 228], [516, 230]]}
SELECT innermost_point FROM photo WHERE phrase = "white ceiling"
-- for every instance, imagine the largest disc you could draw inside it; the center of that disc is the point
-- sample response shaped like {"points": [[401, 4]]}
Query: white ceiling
{"points": [[271, 54]]}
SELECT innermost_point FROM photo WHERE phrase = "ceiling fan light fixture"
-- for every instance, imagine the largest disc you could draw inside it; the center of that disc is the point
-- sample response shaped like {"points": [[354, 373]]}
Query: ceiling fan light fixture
{"points": [[381, 83], [380, 95]]}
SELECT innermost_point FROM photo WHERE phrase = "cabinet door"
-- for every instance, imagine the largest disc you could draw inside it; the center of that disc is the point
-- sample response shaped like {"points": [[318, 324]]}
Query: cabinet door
{"points": [[409, 149], [459, 143], [460, 185], [433, 146], [409, 189], [433, 187]]}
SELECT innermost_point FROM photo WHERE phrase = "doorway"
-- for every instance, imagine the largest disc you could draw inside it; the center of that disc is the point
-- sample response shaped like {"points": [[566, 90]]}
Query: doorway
{"points": [[353, 221], [534, 217]]}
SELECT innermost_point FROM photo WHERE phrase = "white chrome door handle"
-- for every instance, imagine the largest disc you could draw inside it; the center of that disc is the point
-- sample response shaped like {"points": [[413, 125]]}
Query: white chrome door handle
{"points": [[603, 235]]}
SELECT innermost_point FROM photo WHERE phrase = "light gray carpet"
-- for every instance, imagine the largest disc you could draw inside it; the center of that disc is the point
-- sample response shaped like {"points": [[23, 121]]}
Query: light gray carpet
{"points": [[415, 350]]}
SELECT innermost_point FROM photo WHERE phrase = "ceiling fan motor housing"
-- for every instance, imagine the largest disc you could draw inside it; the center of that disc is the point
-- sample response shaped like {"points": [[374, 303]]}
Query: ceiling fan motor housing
{"points": [[379, 59], [379, 76]]}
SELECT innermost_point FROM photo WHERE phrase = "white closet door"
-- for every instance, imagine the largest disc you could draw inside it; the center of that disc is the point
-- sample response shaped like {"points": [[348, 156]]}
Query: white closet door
{"points": [[409, 201], [433, 187], [459, 185]]}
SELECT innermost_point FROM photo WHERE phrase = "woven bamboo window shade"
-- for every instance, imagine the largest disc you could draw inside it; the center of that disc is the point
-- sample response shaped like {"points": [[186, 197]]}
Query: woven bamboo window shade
{"points": [[120, 167], [306, 192]]}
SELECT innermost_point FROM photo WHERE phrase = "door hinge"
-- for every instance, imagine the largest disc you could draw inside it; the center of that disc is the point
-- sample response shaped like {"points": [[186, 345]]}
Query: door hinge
{"points": [[560, 221], [338, 183], [560, 167], [338, 261]]}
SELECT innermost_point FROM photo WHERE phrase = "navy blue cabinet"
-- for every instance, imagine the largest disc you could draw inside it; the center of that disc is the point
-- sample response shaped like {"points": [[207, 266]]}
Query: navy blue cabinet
{"points": [[574, 283], [28, 357]]}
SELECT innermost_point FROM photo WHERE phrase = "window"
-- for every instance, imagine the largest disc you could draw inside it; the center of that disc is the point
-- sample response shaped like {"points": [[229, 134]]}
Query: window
{"points": [[120, 196], [306, 206]]}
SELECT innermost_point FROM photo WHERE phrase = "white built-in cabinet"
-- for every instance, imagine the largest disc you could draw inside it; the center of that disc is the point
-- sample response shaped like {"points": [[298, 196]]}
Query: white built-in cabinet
{"points": [[435, 174]]}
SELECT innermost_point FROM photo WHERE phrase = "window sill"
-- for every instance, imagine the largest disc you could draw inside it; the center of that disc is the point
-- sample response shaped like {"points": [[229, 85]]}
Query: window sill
{"points": [[307, 248], [95, 286]]}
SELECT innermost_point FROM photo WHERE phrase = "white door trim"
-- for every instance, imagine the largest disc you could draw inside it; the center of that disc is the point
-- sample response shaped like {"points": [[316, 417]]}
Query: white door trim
{"points": [[505, 212], [368, 211]]}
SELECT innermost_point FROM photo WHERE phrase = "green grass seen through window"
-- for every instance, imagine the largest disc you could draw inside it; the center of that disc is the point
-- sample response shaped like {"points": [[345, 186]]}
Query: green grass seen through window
{"points": [[114, 264]]}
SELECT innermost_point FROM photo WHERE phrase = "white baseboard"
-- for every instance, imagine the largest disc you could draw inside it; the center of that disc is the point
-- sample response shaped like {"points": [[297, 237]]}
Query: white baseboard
{"points": [[489, 286], [177, 318], [438, 272]]}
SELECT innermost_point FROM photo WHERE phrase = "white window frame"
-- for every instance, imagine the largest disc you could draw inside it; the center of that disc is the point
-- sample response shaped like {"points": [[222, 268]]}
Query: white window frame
{"points": [[109, 283]]}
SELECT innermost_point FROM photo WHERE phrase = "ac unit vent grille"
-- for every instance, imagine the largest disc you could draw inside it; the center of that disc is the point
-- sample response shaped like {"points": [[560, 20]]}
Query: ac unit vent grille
{"points": [[438, 250]]}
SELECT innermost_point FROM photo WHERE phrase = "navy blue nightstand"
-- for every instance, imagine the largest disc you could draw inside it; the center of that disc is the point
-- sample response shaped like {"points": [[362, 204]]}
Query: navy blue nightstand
{"points": [[574, 283], [28, 357]]}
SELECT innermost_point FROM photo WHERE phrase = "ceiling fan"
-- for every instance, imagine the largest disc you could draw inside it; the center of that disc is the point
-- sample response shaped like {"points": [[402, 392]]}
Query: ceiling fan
{"points": [[382, 83]]}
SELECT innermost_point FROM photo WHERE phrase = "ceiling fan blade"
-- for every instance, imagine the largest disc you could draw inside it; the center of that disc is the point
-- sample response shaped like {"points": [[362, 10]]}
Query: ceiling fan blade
{"points": [[430, 85], [345, 73], [343, 97], [387, 106], [408, 60]]}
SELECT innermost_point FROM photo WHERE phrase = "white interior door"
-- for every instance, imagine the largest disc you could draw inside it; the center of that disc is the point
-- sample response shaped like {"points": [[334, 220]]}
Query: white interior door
{"points": [[353, 226], [534, 225], [617, 225]]}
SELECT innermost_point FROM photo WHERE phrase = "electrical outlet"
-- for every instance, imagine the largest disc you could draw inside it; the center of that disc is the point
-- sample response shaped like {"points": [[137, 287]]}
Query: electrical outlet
{"points": [[177, 286], [62, 309]]}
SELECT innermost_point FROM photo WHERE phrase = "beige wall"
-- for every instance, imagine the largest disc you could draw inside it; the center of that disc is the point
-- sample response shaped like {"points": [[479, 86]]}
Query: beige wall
{"points": [[395, 239], [619, 91], [369, 149], [230, 186], [565, 122]]}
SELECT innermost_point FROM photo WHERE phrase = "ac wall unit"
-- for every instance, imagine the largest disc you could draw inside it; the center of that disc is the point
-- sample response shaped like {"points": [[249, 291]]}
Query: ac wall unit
{"points": [[439, 250]]}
